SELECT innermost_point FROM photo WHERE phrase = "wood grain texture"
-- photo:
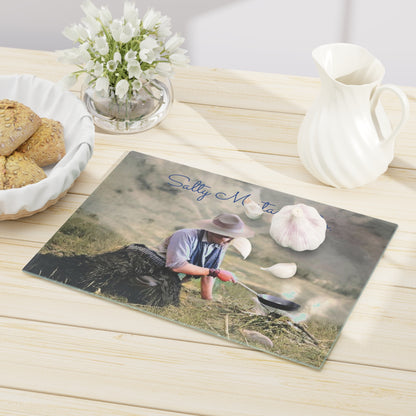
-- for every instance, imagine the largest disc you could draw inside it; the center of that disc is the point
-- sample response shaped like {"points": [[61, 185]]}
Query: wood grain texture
{"points": [[66, 352], [15, 402], [67, 359]]}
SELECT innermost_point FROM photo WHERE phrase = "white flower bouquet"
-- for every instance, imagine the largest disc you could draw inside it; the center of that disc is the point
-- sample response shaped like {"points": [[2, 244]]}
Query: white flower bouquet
{"points": [[118, 56]]}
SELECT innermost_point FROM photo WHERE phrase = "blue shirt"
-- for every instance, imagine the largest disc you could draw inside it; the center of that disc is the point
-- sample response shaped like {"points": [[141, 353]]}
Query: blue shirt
{"points": [[180, 248]]}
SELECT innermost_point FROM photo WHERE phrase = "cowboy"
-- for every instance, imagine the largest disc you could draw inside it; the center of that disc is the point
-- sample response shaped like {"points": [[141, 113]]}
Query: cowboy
{"points": [[199, 251]]}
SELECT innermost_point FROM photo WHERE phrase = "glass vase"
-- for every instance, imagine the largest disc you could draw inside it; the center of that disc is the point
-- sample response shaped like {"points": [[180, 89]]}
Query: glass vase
{"points": [[138, 112]]}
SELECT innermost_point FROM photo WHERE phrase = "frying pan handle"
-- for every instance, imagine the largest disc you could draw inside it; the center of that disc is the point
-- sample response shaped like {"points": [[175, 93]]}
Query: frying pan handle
{"points": [[246, 287]]}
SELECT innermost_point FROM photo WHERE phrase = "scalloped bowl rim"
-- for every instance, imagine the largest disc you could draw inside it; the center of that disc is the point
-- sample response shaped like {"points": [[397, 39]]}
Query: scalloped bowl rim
{"points": [[49, 100]]}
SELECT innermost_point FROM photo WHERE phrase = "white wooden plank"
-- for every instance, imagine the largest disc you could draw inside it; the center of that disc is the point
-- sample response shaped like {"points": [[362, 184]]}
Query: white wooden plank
{"points": [[42, 226], [28, 403], [89, 363], [254, 90]]}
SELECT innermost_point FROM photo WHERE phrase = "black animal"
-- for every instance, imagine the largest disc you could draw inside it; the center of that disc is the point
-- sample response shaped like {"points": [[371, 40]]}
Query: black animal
{"points": [[133, 272]]}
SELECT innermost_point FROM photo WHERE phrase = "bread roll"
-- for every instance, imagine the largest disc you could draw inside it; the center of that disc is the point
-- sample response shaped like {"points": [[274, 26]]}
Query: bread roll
{"points": [[17, 124], [20, 171], [47, 145]]}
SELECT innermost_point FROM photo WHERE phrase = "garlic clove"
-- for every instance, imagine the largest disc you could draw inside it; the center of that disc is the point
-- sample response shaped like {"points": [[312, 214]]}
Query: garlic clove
{"points": [[299, 227], [257, 337], [252, 209], [242, 245], [282, 270]]}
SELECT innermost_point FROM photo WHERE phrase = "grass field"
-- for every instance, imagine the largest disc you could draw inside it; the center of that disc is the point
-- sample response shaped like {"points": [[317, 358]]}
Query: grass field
{"points": [[234, 313], [237, 316]]}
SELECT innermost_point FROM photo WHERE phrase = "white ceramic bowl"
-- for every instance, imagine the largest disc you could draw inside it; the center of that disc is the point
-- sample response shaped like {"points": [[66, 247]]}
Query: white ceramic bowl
{"points": [[48, 100]]}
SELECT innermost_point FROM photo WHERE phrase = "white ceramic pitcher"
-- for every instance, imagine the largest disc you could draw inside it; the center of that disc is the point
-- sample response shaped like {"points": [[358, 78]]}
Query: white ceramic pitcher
{"points": [[346, 139]]}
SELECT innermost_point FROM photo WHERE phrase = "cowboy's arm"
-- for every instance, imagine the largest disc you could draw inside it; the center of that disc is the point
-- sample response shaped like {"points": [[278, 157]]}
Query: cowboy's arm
{"points": [[191, 269]]}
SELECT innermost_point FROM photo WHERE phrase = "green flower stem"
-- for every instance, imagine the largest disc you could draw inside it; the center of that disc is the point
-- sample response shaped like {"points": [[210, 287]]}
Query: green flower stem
{"points": [[150, 92]]}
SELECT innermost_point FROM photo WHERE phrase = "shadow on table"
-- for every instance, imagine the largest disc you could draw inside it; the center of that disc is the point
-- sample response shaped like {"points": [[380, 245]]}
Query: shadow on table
{"points": [[268, 137], [274, 144], [397, 173]]}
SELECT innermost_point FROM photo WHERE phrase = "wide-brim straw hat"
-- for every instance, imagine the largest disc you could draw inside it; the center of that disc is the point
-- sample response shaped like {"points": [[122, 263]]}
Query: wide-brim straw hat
{"points": [[229, 225]]}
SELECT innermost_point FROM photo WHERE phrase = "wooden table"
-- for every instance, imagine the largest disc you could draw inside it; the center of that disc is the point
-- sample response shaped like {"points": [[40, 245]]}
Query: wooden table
{"points": [[67, 353]]}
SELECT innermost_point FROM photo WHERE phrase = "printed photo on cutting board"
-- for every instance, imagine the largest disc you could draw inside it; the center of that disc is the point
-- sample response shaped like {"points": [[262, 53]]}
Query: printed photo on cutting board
{"points": [[253, 265]]}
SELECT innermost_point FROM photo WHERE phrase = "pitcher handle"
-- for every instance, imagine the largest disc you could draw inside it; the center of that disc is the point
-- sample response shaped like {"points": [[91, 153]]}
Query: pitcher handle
{"points": [[404, 105]]}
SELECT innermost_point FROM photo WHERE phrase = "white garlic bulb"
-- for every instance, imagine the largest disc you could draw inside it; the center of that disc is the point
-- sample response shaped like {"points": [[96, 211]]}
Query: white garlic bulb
{"points": [[299, 227], [242, 245], [252, 209], [282, 270]]}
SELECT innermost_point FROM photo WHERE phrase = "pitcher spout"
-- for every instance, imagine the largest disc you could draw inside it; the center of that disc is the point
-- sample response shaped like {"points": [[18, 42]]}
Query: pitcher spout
{"points": [[348, 64]]}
